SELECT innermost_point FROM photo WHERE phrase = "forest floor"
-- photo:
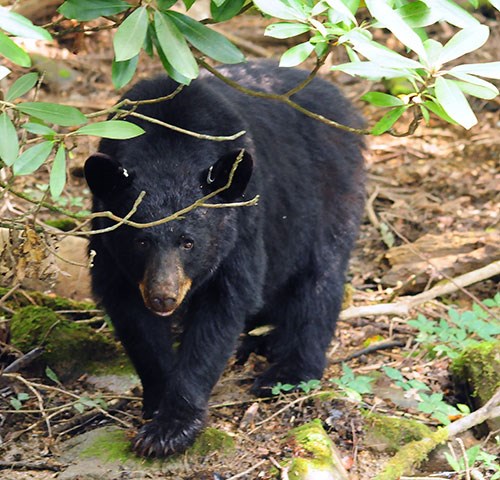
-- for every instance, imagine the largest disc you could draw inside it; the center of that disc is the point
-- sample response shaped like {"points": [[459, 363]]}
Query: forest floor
{"points": [[432, 213]]}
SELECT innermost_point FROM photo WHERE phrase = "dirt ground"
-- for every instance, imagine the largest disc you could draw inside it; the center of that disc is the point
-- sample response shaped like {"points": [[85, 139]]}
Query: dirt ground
{"points": [[441, 182]]}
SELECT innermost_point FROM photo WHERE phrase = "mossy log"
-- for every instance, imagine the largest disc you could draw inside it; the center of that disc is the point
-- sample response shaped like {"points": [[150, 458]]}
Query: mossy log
{"points": [[386, 433], [317, 457]]}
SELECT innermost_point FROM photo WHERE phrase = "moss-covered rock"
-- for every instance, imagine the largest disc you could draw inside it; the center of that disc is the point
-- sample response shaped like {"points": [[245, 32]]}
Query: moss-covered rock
{"points": [[476, 372], [113, 444], [212, 440], [385, 433], [319, 458], [69, 346]]}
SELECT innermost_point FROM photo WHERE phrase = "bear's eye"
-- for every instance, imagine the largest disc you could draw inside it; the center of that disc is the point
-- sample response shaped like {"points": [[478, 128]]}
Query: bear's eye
{"points": [[142, 243], [187, 243]]}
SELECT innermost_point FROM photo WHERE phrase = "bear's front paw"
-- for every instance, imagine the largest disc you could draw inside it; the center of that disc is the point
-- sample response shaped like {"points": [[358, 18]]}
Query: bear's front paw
{"points": [[164, 436]]}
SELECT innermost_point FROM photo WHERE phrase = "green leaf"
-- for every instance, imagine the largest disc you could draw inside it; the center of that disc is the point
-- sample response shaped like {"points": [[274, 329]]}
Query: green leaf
{"points": [[418, 14], [51, 375], [371, 70], [16, 403], [382, 99], [174, 46], [437, 109], [32, 159], [433, 49], [388, 120], [123, 72], [296, 54], [465, 41], [476, 87], [53, 113], [207, 40], [115, 129], [58, 173], [13, 52], [342, 10], [9, 145], [188, 3], [449, 11], [21, 86], [454, 102], [279, 9], [130, 36], [286, 30], [21, 26], [171, 71], [165, 4], [401, 30], [227, 10], [90, 9], [38, 129], [488, 69], [377, 53]]}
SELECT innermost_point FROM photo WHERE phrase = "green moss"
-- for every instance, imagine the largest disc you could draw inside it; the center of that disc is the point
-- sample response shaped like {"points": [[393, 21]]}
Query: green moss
{"points": [[69, 346], [110, 446], [319, 451], [391, 433], [479, 367], [114, 446], [212, 440], [64, 224], [120, 364], [25, 298], [412, 455]]}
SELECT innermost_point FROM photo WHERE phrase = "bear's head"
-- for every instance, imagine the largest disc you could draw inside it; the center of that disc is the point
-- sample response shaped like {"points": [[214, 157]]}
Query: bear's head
{"points": [[168, 260]]}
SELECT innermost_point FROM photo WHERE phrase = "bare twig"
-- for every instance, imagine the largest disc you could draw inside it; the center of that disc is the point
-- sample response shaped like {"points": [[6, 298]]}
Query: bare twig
{"points": [[247, 471], [374, 347], [403, 306], [281, 98], [55, 467], [21, 362]]}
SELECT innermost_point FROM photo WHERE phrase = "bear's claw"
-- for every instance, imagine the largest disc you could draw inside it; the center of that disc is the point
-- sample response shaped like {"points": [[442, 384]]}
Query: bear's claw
{"points": [[162, 438]]}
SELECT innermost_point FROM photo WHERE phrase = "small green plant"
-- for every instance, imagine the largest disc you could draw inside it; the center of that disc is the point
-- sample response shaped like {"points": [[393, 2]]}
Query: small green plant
{"points": [[282, 388], [476, 457], [401, 381], [313, 384], [451, 336], [435, 406], [86, 402], [432, 404], [306, 387], [353, 385], [18, 400]]}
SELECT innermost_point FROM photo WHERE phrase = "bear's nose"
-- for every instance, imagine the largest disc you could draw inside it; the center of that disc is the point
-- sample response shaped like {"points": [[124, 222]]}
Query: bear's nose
{"points": [[163, 304]]}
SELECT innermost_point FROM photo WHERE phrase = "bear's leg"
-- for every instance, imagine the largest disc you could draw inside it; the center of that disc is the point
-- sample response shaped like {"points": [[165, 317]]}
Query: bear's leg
{"points": [[212, 328], [147, 341], [305, 313]]}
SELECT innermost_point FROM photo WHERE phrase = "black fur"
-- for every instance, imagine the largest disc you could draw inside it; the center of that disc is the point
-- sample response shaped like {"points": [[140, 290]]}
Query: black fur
{"points": [[281, 262]]}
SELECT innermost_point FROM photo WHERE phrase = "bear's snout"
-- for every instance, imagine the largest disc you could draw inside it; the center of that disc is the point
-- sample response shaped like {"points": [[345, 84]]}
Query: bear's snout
{"points": [[163, 304], [165, 285]]}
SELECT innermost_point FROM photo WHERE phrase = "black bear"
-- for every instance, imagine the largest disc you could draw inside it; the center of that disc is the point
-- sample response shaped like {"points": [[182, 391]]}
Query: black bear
{"points": [[218, 271]]}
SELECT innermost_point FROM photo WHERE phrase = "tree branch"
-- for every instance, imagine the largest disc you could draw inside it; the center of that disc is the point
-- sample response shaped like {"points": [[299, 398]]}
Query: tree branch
{"points": [[406, 303]]}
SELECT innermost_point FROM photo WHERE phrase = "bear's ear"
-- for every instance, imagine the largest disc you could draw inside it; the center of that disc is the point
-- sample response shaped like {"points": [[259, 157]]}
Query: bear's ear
{"points": [[218, 175], [105, 175]]}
